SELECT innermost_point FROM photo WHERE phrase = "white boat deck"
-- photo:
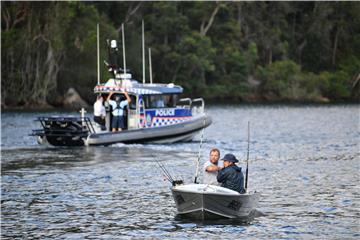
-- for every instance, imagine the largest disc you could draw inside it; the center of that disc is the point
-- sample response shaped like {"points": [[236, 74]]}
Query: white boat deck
{"points": [[206, 189]]}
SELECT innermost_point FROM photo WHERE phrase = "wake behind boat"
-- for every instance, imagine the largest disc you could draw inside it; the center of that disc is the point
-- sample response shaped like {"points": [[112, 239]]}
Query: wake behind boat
{"points": [[156, 113]]}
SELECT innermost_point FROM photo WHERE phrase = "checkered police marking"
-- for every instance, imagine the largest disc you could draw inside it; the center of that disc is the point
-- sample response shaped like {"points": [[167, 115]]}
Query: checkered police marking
{"points": [[164, 121]]}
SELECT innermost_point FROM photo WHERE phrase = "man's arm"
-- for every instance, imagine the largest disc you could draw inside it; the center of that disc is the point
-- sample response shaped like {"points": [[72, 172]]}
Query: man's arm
{"points": [[212, 168], [221, 176], [108, 98], [127, 97]]}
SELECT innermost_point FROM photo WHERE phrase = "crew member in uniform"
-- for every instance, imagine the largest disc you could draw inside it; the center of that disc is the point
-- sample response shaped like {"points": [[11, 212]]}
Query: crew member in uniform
{"points": [[118, 121]]}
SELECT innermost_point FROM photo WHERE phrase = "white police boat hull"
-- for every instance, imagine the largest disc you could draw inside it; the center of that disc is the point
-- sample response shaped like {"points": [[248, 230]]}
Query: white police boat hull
{"points": [[179, 132], [71, 131], [206, 202]]}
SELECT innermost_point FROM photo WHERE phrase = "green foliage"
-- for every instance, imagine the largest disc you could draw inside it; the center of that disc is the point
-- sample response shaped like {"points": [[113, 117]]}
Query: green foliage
{"points": [[285, 80], [279, 77], [351, 64], [230, 50], [195, 59], [337, 85], [251, 57], [80, 63]]}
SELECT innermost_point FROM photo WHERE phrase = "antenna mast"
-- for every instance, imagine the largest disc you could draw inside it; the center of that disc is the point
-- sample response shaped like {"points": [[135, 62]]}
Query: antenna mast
{"points": [[150, 68], [123, 43], [143, 50], [98, 54]]}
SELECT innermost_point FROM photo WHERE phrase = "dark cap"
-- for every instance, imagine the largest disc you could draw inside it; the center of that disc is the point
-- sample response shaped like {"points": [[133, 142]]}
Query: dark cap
{"points": [[230, 157]]}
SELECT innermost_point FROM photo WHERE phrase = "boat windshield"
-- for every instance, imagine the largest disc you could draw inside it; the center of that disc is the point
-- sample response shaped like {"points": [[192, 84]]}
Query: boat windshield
{"points": [[133, 102], [161, 101]]}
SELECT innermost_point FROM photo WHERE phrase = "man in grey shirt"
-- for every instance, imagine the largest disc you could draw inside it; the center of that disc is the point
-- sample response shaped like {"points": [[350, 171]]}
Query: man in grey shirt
{"points": [[211, 167]]}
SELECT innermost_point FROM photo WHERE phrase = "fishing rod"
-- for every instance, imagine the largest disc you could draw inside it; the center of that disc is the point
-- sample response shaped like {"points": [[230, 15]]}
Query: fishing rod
{"points": [[165, 171], [198, 160], [247, 158], [167, 174]]}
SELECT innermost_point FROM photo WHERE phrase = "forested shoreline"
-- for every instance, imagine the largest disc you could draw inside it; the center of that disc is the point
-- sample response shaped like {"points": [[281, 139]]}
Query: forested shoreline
{"points": [[222, 51]]}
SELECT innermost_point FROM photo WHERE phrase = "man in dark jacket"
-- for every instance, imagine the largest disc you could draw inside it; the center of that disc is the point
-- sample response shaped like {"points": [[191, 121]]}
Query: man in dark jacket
{"points": [[231, 176]]}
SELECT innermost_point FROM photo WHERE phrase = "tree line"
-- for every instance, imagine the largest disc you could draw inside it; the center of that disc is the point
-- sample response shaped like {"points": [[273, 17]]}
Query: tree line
{"points": [[222, 51]]}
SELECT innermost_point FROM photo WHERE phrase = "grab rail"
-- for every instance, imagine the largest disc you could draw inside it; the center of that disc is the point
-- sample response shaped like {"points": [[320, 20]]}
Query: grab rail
{"points": [[185, 100], [197, 109]]}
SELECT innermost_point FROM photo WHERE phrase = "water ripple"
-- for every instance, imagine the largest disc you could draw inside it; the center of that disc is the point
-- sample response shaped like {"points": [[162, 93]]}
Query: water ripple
{"points": [[304, 161]]}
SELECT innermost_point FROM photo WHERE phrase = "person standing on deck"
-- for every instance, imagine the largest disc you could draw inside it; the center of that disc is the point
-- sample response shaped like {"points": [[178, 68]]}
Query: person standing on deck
{"points": [[99, 112], [231, 176], [118, 121], [211, 167]]}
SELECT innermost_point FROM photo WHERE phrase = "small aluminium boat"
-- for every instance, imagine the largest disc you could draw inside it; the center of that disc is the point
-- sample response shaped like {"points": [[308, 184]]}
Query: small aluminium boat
{"points": [[206, 202], [156, 113]]}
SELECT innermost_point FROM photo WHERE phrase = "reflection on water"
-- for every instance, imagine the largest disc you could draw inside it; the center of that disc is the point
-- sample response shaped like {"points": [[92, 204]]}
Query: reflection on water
{"points": [[304, 162], [222, 221]]}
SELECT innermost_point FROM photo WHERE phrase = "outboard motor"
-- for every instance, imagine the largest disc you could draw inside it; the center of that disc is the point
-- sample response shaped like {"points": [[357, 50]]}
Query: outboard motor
{"points": [[64, 131]]}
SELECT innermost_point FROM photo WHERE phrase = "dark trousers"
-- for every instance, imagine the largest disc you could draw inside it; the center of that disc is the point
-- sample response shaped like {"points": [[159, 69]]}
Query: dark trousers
{"points": [[118, 122], [100, 121]]}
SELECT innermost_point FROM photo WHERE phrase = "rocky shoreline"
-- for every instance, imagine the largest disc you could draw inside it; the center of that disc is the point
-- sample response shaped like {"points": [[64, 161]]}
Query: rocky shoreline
{"points": [[76, 104]]}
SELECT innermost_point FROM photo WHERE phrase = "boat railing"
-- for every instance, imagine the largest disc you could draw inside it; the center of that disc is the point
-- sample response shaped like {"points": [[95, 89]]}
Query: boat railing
{"points": [[197, 106], [185, 102]]}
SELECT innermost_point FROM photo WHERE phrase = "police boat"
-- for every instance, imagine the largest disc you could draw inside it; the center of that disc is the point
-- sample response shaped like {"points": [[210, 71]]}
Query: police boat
{"points": [[156, 114]]}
